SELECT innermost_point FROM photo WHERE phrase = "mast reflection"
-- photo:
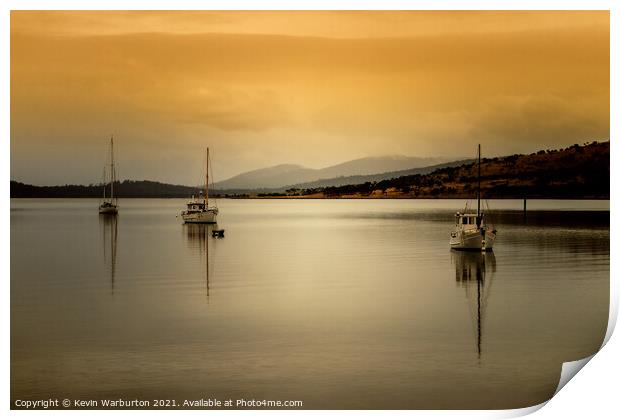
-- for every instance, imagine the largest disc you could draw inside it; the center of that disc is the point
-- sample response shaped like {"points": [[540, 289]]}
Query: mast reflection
{"points": [[109, 229], [474, 272], [198, 237]]}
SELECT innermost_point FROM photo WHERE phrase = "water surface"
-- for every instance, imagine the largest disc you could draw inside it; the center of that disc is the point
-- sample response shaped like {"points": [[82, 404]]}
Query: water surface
{"points": [[338, 303]]}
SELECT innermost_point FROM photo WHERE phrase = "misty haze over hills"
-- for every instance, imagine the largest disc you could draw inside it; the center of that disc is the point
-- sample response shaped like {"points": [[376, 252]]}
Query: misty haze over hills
{"points": [[292, 175], [145, 188], [360, 179]]}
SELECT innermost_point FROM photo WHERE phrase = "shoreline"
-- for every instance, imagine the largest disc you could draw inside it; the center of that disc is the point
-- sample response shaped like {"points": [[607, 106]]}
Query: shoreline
{"points": [[347, 197]]}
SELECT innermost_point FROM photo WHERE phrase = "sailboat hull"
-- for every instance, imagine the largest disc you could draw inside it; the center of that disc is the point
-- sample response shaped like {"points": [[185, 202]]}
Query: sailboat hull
{"points": [[207, 217], [472, 240]]}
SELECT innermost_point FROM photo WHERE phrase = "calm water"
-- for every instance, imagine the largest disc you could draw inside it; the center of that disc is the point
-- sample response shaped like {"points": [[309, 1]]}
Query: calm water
{"points": [[338, 303]]}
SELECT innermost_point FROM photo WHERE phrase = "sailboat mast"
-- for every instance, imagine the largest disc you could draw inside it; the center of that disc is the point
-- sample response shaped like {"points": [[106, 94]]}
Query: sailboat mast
{"points": [[478, 180], [105, 177], [112, 168], [207, 182]]}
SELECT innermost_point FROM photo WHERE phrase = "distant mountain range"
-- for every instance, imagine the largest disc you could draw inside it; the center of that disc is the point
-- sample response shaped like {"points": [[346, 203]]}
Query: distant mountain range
{"points": [[267, 176], [574, 172], [360, 179], [279, 176], [577, 172]]}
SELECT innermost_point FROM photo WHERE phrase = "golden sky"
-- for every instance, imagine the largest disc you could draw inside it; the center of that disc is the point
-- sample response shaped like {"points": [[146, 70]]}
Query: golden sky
{"points": [[313, 88]]}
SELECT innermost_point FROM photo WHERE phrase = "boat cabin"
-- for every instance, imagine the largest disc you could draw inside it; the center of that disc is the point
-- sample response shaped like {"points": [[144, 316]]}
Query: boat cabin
{"points": [[195, 205], [468, 220]]}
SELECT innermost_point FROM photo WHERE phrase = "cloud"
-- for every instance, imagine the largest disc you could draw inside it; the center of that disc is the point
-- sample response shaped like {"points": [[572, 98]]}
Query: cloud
{"points": [[533, 121], [263, 99], [318, 23]]}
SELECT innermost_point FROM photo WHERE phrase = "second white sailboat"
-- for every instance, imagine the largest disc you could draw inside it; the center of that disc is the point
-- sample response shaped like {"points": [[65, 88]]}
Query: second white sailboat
{"points": [[472, 232], [198, 208], [109, 205]]}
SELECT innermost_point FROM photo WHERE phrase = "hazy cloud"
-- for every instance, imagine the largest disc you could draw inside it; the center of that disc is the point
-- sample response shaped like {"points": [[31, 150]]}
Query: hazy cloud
{"points": [[309, 92]]}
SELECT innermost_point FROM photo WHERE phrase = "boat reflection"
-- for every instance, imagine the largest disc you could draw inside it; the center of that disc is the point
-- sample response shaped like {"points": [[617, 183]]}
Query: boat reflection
{"points": [[109, 234], [474, 273], [198, 237]]}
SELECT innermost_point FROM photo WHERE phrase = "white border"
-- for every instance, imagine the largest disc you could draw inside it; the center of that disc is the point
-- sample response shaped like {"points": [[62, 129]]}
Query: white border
{"points": [[593, 394]]}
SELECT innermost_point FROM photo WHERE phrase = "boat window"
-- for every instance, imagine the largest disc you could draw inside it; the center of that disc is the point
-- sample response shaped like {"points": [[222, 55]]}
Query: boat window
{"points": [[465, 220]]}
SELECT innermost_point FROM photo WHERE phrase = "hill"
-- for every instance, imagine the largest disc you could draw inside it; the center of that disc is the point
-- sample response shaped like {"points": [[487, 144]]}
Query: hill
{"points": [[268, 178], [139, 189], [147, 189], [360, 179], [579, 171], [280, 176]]}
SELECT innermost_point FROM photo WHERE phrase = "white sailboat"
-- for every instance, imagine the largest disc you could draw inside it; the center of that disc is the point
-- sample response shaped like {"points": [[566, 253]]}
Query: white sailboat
{"points": [[198, 209], [109, 205], [471, 229]]}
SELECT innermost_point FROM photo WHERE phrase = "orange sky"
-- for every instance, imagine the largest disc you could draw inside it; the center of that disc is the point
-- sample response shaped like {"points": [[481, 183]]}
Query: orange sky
{"points": [[313, 88]]}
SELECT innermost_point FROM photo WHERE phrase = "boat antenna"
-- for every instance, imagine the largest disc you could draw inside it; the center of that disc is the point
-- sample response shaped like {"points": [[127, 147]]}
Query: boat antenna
{"points": [[478, 180]]}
